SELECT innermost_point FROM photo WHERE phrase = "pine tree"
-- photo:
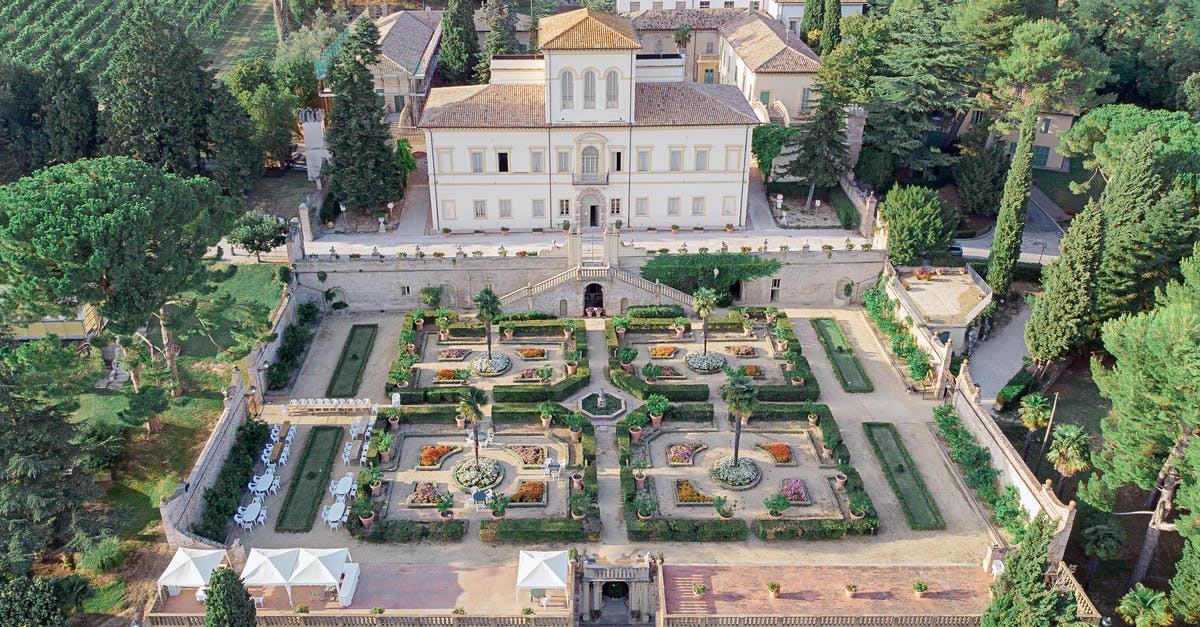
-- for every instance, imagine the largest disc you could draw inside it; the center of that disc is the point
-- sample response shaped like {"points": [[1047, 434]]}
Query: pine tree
{"points": [[30, 601], [228, 604], [819, 147], [501, 37], [362, 166], [1064, 315], [1014, 208], [239, 157], [1021, 595], [258, 232], [156, 94], [460, 45], [916, 223], [1185, 585], [831, 29], [22, 142], [68, 112], [812, 21]]}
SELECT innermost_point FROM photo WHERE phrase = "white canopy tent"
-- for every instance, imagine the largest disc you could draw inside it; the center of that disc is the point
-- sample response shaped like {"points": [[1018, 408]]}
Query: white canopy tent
{"points": [[271, 567], [542, 570], [190, 568], [302, 567]]}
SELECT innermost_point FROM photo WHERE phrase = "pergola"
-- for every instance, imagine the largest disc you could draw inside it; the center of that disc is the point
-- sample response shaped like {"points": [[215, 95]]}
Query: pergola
{"points": [[190, 568], [543, 570]]}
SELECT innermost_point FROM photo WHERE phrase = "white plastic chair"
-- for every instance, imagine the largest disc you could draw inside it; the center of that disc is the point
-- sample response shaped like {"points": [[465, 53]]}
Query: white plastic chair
{"points": [[265, 457], [334, 524], [346, 457], [332, 486], [275, 486], [325, 512], [262, 516], [259, 601], [283, 459]]}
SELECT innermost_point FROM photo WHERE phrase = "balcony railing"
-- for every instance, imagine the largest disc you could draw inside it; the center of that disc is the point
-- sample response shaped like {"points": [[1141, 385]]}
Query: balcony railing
{"points": [[708, 58], [590, 178]]}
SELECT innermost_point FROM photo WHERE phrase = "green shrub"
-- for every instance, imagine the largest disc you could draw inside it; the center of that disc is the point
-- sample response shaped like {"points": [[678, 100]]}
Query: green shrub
{"points": [[402, 531], [684, 529], [221, 499], [521, 316], [1017, 387], [104, 557], [527, 530], [980, 475], [655, 311], [801, 529]]}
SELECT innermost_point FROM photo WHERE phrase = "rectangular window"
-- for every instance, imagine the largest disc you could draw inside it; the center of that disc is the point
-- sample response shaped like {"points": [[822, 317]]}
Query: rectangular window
{"points": [[539, 208], [445, 162], [708, 48], [733, 158], [753, 5], [794, 25], [476, 161], [480, 208], [616, 161], [704, 4], [804, 96], [657, 6], [564, 207], [447, 209], [1045, 125], [676, 160], [673, 206], [728, 4], [701, 159], [405, 290], [614, 206], [643, 161], [505, 208], [641, 207], [535, 161], [764, 97], [698, 206], [564, 161], [502, 161], [728, 206], [976, 117], [635, 6], [680, 5], [1041, 154]]}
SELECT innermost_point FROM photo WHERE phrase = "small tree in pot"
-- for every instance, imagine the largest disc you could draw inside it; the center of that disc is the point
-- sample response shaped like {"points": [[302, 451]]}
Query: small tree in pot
{"points": [[679, 325], [499, 506], [508, 328], [571, 358], [657, 406], [578, 506], [626, 355], [371, 478], [445, 502], [646, 508], [363, 509], [920, 588], [651, 371], [621, 324], [776, 504], [773, 589], [636, 422], [639, 471], [723, 507], [575, 421], [547, 410], [382, 442]]}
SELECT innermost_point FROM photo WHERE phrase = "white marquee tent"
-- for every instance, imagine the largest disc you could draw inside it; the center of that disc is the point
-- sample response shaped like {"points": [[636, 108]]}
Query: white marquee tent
{"points": [[302, 567], [542, 570], [270, 567], [190, 568]]}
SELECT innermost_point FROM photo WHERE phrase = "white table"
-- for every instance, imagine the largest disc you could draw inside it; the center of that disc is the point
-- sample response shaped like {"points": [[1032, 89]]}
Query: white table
{"points": [[336, 511], [263, 483], [252, 510], [343, 486]]}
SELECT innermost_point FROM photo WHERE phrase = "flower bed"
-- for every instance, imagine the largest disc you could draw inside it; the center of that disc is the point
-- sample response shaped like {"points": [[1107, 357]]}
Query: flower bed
{"points": [[705, 362], [670, 372], [795, 491], [754, 372], [683, 454], [453, 354], [484, 367], [447, 376], [742, 350], [529, 455], [529, 493], [663, 352], [432, 456], [741, 476], [531, 354], [424, 494], [686, 494], [488, 474], [780, 452], [528, 375]]}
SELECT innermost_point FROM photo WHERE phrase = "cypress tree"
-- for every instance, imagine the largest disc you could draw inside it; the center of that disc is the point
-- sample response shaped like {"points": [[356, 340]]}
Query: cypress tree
{"points": [[1020, 595], [362, 165], [820, 146], [831, 28], [460, 45], [22, 142], [980, 180], [501, 37], [228, 605], [813, 20], [1014, 207], [916, 223], [1064, 315], [231, 133], [68, 113], [1185, 585]]}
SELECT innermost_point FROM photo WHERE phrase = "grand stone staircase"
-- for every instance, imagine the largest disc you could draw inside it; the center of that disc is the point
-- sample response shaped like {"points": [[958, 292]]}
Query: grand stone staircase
{"points": [[597, 273]]}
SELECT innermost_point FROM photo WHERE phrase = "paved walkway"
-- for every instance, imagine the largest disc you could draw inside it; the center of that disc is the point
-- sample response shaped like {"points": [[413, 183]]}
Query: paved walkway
{"points": [[1039, 241], [997, 359]]}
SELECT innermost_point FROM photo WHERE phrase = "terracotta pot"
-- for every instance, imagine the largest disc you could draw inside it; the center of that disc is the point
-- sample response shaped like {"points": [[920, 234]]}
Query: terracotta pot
{"points": [[656, 419], [774, 594], [775, 515], [850, 594], [546, 420], [627, 367], [572, 368], [443, 335], [679, 332], [724, 517], [419, 323], [855, 516], [385, 455], [674, 231], [576, 434], [394, 422], [728, 230], [635, 433], [545, 381], [496, 516], [503, 233], [508, 335], [367, 521], [577, 481], [446, 235], [825, 451], [460, 421], [772, 319], [447, 515], [640, 481], [840, 480], [920, 594], [411, 348], [747, 331], [642, 516], [575, 516], [745, 420], [798, 381], [620, 332], [813, 419], [568, 333], [781, 345]]}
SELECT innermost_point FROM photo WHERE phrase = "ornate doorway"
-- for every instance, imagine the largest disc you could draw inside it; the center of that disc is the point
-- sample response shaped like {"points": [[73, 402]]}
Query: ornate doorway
{"points": [[593, 296]]}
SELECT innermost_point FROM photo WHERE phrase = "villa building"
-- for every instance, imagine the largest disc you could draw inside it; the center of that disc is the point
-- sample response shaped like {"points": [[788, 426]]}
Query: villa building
{"points": [[588, 132], [787, 12], [770, 65], [1050, 125], [656, 29]]}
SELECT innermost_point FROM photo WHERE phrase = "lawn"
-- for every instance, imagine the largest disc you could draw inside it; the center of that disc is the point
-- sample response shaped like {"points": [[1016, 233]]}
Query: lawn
{"points": [[919, 508], [310, 481], [846, 212], [849, 371], [280, 194], [105, 599], [1056, 185], [355, 353]]}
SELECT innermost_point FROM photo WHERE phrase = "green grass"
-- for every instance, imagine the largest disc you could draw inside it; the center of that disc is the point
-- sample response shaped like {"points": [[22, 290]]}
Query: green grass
{"points": [[310, 481], [919, 507], [846, 212], [105, 599], [248, 283], [353, 360], [849, 371], [1056, 185], [249, 33]]}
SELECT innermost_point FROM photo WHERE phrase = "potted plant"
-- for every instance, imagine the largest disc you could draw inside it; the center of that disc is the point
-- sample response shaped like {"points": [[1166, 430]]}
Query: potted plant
{"points": [[723, 507], [626, 355], [443, 325], [698, 589], [372, 478], [499, 505], [797, 378], [920, 588], [577, 478], [674, 228], [636, 422], [656, 406], [568, 327], [621, 324], [393, 417], [652, 372], [575, 422], [728, 227], [639, 471], [566, 227], [301, 609], [646, 508], [377, 610], [571, 358], [772, 314], [773, 589], [364, 510], [679, 325], [747, 327], [504, 230], [776, 504], [446, 231], [382, 442], [578, 506], [445, 502], [419, 322], [508, 328], [460, 421], [839, 479], [546, 409], [617, 226], [851, 590], [545, 373]]}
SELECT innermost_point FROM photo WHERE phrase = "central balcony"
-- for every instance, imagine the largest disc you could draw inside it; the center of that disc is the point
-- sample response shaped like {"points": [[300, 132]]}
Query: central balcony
{"points": [[589, 178]]}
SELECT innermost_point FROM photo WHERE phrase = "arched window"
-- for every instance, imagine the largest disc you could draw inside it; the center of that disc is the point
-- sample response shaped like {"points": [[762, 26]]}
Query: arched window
{"points": [[591, 162], [589, 90], [568, 89], [610, 89]]}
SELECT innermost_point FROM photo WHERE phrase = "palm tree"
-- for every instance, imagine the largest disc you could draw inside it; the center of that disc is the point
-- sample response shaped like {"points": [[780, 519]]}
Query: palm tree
{"points": [[489, 309], [470, 404], [1101, 541], [704, 301], [1035, 413], [741, 396], [1144, 607], [1070, 451], [682, 36]]}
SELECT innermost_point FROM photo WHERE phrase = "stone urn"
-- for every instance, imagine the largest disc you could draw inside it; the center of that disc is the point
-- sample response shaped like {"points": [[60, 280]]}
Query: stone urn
{"points": [[367, 521], [635, 433], [419, 323], [460, 421], [840, 479]]}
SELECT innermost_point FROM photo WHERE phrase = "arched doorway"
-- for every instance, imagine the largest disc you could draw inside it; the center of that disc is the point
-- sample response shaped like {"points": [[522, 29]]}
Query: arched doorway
{"points": [[593, 296]]}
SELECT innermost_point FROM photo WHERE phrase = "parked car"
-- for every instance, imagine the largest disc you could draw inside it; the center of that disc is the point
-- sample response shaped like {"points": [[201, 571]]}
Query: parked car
{"points": [[955, 250]]}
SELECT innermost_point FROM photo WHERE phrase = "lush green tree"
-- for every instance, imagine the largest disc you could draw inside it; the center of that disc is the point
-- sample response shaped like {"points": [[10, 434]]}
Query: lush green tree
{"points": [[258, 232], [247, 75], [1103, 135], [470, 405], [274, 115], [1035, 415], [1185, 585], [229, 604], [105, 443], [1050, 67], [238, 156], [1144, 607], [460, 44], [405, 161], [704, 302], [682, 36], [72, 590], [1070, 452], [488, 305], [68, 112], [23, 146], [812, 21], [741, 396], [718, 271], [30, 601], [362, 166], [831, 26], [1064, 316], [44, 366], [916, 223], [818, 149], [501, 37], [156, 94], [293, 66], [1021, 595], [1191, 95], [766, 142], [980, 178], [1101, 541], [1014, 208]]}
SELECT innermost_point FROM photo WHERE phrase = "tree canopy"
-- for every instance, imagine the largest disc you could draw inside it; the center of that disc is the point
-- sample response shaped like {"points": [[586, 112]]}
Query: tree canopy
{"points": [[916, 223], [1064, 316], [688, 272], [1021, 595], [460, 45]]}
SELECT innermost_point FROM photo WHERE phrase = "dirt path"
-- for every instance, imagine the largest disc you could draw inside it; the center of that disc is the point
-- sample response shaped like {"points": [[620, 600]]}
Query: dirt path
{"points": [[241, 34]]}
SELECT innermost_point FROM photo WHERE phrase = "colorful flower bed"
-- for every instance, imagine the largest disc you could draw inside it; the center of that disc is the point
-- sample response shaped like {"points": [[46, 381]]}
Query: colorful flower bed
{"points": [[425, 493], [753, 372], [486, 474], [742, 350], [685, 492], [670, 371], [662, 351], [499, 363], [705, 362], [453, 354], [532, 353], [795, 490], [447, 374], [743, 474], [530, 455], [683, 453], [779, 450], [529, 492], [528, 373], [432, 455]]}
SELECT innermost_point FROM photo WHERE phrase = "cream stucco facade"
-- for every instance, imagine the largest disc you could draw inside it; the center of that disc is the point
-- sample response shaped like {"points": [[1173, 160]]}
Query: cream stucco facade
{"points": [[1045, 141]]}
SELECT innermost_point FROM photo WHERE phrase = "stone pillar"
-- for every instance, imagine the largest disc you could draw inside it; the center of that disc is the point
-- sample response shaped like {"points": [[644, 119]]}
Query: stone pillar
{"points": [[612, 247], [943, 369], [316, 153], [574, 249], [597, 600], [856, 120], [299, 231]]}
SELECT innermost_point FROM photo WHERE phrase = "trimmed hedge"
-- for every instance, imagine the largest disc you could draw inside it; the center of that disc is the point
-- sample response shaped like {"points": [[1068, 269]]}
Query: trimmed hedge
{"points": [[398, 531], [522, 316], [431, 396], [518, 414], [420, 414], [307, 489], [675, 392], [801, 529], [527, 530], [883, 311], [975, 463], [221, 500], [841, 355], [907, 466], [650, 325], [1017, 387], [356, 352], [536, 393], [655, 311], [773, 412]]}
